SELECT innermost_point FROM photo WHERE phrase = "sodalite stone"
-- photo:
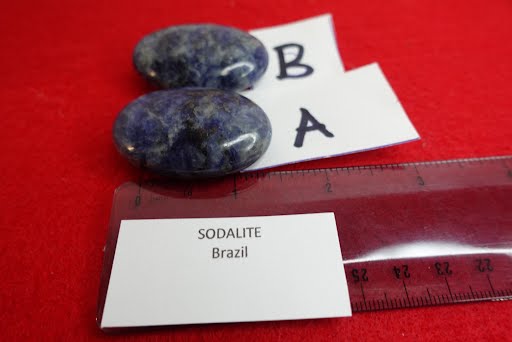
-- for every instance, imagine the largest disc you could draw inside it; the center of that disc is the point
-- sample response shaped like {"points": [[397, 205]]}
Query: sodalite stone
{"points": [[192, 132], [205, 55]]}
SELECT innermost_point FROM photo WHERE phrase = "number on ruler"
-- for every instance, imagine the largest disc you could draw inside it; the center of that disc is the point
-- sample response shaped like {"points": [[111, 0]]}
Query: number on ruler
{"points": [[484, 265], [443, 268], [359, 275], [401, 272]]}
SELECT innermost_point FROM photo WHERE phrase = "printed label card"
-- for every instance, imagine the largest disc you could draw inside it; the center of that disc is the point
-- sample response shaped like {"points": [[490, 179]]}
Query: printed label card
{"points": [[236, 269]]}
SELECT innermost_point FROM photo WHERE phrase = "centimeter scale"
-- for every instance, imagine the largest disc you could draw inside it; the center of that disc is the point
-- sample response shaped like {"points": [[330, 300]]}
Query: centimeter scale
{"points": [[411, 235]]}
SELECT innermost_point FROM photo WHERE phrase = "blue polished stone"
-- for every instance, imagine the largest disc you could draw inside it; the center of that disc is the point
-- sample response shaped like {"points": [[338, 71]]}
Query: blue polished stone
{"points": [[205, 55], [192, 132]]}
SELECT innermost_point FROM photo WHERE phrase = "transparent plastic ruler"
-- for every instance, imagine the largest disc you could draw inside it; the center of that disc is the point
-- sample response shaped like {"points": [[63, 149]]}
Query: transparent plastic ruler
{"points": [[414, 234]]}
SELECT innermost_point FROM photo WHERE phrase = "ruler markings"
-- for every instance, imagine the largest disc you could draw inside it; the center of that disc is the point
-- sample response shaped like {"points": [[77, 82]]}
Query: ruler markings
{"points": [[490, 284], [448, 286], [406, 293], [429, 295], [362, 292], [138, 198], [416, 164], [234, 187], [481, 288]]}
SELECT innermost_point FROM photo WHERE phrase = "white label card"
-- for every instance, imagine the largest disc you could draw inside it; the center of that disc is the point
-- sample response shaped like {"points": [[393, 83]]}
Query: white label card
{"points": [[351, 113], [315, 108], [208, 270], [299, 50]]}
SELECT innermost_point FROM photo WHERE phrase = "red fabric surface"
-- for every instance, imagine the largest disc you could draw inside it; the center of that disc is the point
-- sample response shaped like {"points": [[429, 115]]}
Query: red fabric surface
{"points": [[66, 72]]}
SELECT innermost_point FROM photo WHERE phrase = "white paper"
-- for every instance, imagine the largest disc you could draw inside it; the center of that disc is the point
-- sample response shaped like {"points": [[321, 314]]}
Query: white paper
{"points": [[163, 274], [315, 35], [360, 109]]}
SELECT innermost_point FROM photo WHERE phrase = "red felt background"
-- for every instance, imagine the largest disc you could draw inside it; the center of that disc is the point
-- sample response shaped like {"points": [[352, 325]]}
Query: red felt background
{"points": [[65, 72]]}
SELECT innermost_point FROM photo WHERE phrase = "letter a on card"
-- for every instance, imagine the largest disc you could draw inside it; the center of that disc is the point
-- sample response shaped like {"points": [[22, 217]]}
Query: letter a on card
{"points": [[304, 127]]}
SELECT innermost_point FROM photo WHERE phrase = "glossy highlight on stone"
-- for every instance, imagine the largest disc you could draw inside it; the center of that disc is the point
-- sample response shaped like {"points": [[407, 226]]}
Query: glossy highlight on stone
{"points": [[192, 132], [202, 55]]}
